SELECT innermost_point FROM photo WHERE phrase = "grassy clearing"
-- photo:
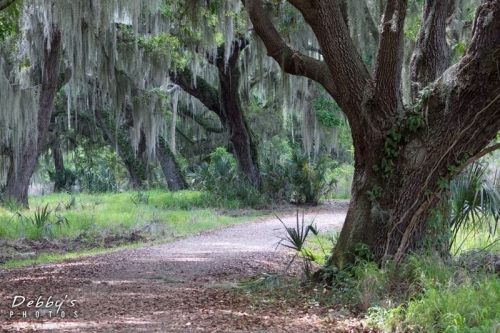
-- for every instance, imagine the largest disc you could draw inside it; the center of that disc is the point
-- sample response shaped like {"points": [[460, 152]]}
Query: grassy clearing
{"points": [[319, 246], [475, 239], [95, 220], [52, 257]]}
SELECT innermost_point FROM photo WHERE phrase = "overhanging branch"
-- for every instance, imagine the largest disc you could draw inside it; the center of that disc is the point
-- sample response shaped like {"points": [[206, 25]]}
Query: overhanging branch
{"points": [[290, 60], [200, 120], [301, 4], [204, 92]]}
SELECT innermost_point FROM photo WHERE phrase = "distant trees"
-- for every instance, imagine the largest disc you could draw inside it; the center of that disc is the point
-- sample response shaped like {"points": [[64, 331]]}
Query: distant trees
{"points": [[145, 78]]}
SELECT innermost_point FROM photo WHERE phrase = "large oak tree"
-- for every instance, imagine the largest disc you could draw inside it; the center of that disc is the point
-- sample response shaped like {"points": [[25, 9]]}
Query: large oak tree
{"points": [[225, 103], [404, 155]]}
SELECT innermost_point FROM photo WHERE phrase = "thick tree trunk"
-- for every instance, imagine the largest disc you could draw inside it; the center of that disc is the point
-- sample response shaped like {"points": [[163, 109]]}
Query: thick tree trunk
{"points": [[169, 166], [403, 157], [389, 208], [19, 177], [119, 140]]}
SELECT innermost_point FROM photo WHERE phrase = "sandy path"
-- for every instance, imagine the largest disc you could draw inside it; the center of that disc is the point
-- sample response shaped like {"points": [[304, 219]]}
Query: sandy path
{"points": [[182, 286]]}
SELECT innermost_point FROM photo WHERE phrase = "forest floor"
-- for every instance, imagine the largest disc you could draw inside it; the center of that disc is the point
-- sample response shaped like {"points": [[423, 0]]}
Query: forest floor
{"points": [[190, 285]]}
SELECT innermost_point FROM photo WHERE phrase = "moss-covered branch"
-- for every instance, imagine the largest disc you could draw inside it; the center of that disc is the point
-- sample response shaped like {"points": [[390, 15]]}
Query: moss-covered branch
{"points": [[200, 120]]}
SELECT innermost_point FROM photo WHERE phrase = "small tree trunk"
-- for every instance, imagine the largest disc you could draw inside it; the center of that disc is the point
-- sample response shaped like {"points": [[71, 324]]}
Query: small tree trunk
{"points": [[229, 78], [119, 140], [57, 155], [226, 105], [432, 57], [169, 166], [19, 177]]}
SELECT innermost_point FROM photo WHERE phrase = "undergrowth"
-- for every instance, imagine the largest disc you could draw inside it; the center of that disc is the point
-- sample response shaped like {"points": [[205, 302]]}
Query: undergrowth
{"points": [[425, 292], [439, 297]]}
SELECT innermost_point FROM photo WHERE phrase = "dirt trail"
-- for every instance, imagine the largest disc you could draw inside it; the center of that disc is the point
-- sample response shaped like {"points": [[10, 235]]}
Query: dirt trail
{"points": [[184, 286]]}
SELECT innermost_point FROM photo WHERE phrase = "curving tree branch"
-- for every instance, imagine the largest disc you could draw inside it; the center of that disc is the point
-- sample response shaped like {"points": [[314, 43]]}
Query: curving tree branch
{"points": [[290, 60], [474, 158], [184, 111], [204, 92]]}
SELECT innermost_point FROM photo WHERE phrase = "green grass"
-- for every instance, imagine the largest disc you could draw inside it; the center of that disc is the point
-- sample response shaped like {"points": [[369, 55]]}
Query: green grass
{"points": [[475, 239], [459, 294], [320, 246], [53, 257], [424, 293], [181, 212], [163, 215], [467, 306], [447, 298]]}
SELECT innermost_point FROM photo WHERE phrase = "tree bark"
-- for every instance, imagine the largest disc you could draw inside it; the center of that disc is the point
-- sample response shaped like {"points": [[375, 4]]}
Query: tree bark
{"points": [[460, 117], [19, 177], [431, 57], [169, 166], [55, 140], [403, 157]]}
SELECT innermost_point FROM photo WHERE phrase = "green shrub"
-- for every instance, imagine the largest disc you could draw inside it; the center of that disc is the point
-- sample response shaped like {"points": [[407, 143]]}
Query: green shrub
{"points": [[471, 206], [41, 224], [310, 181], [227, 186], [97, 181], [293, 177], [63, 180], [276, 180], [295, 239]]}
